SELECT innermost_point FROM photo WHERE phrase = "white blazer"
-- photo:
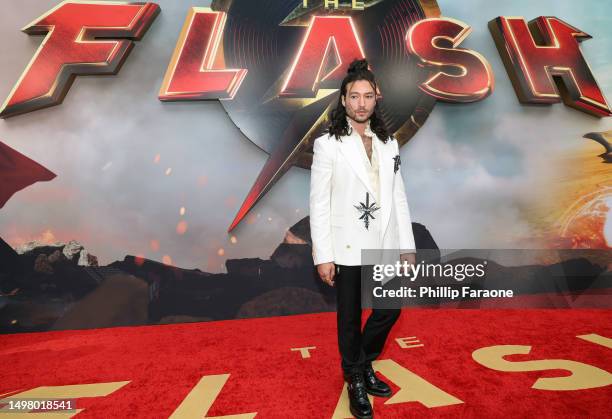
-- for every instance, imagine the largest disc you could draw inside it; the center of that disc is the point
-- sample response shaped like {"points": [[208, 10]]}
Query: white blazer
{"points": [[339, 181]]}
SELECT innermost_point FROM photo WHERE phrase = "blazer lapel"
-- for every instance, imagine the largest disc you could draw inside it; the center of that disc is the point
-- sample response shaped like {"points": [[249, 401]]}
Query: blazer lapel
{"points": [[349, 147], [385, 175]]}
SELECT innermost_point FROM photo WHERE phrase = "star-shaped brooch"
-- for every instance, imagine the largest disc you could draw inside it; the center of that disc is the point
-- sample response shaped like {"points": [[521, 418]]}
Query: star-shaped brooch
{"points": [[367, 210], [396, 163]]}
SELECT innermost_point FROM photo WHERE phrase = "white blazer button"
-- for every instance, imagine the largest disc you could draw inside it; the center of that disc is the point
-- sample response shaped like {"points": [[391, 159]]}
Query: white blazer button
{"points": [[348, 246]]}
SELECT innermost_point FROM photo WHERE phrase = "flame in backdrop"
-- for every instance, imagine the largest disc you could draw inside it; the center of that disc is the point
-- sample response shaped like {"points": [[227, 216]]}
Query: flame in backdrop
{"points": [[587, 223]]}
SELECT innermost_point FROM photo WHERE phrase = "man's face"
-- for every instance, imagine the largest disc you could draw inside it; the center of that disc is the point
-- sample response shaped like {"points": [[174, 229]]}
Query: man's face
{"points": [[360, 100]]}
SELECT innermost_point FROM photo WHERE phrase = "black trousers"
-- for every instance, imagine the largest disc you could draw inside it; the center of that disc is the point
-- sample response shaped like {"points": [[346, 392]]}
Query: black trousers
{"points": [[358, 348]]}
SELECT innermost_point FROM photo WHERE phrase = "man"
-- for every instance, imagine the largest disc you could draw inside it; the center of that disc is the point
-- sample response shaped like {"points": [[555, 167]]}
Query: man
{"points": [[357, 201]]}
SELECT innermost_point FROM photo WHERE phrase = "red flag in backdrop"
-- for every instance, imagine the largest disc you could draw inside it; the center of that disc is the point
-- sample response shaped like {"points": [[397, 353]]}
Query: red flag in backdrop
{"points": [[17, 172]]}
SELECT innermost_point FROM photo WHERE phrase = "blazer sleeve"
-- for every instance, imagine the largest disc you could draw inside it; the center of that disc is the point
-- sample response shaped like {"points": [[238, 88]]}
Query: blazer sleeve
{"points": [[402, 212], [320, 201]]}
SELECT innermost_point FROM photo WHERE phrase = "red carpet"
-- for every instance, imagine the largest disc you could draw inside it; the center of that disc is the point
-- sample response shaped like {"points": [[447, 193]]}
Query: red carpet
{"points": [[162, 364]]}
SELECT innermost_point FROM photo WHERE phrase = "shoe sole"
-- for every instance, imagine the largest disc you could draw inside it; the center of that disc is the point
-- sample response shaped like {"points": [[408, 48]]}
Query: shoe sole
{"points": [[379, 394]]}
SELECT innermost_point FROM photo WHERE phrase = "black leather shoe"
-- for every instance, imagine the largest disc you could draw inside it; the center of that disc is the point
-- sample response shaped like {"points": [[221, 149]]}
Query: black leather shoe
{"points": [[358, 397], [374, 385]]}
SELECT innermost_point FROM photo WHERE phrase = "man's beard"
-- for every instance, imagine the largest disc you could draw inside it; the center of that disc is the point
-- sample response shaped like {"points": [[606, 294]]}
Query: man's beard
{"points": [[355, 117]]}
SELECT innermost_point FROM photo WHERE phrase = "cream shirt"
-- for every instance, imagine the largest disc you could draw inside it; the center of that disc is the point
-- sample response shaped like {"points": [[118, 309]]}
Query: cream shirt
{"points": [[371, 167]]}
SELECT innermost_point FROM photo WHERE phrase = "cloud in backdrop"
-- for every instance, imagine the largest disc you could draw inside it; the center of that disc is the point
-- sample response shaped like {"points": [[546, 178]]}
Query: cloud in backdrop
{"points": [[127, 163]]}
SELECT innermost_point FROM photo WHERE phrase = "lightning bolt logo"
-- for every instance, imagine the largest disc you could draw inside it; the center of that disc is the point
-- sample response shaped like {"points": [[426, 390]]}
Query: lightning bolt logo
{"points": [[305, 85]]}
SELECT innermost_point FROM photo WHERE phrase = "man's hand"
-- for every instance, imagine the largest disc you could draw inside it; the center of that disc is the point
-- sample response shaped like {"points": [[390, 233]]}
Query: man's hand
{"points": [[409, 258], [327, 271]]}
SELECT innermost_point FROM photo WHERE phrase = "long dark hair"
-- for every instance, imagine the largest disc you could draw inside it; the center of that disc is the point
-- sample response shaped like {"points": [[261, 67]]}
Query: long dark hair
{"points": [[338, 127]]}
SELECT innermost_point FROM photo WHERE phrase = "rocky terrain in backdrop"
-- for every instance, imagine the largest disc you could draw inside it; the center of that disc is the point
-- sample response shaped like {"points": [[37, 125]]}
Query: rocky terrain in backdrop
{"points": [[60, 286]]}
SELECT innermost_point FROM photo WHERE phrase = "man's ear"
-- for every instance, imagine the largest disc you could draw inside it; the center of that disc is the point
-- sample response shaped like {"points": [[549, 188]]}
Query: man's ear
{"points": [[343, 101]]}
